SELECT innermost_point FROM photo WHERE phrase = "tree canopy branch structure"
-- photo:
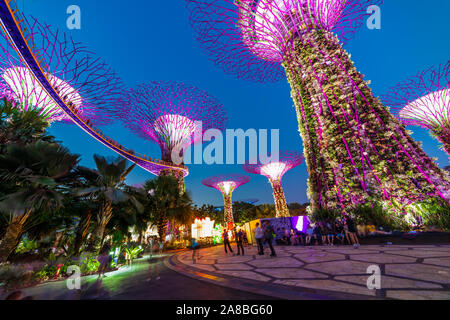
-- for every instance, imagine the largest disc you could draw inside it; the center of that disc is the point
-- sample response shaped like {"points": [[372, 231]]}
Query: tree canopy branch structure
{"points": [[424, 101], [173, 115], [227, 184], [274, 171]]}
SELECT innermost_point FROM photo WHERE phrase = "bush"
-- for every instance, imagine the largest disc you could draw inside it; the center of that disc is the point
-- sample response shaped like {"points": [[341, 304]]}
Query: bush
{"points": [[324, 215], [376, 214], [434, 214], [26, 246]]}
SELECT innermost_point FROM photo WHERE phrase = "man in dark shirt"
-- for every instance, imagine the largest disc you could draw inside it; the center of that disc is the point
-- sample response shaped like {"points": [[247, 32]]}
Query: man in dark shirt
{"points": [[226, 241], [239, 235], [268, 237]]}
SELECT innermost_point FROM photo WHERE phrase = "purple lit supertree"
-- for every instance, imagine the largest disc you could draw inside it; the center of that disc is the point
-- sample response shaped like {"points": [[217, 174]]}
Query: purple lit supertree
{"points": [[424, 101], [81, 78], [356, 151], [173, 115], [226, 184], [274, 171]]}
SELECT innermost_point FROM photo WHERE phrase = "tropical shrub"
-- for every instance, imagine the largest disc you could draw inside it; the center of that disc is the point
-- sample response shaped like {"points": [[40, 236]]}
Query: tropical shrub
{"points": [[324, 215], [26, 246], [133, 253], [434, 213], [375, 213]]}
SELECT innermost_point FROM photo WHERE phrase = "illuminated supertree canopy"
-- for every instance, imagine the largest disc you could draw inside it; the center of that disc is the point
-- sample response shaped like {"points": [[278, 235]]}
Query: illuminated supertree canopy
{"points": [[424, 100], [227, 184], [356, 151], [81, 78], [172, 114], [274, 171]]}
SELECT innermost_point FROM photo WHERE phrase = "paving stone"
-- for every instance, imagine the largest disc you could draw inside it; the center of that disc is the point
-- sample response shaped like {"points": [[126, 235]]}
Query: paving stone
{"points": [[382, 258], [233, 266], [352, 251], [328, 285], [388, 282], [292, 273], [276, 263], [419, 295], [314, 257], [340, 267], [445, 262], [245, 275], [421, 253], [204, 267], [235, 259], [420, 272]]}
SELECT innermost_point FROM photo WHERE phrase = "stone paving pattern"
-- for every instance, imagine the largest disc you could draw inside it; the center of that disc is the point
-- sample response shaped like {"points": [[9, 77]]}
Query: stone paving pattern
{"points": [[408, 272]]}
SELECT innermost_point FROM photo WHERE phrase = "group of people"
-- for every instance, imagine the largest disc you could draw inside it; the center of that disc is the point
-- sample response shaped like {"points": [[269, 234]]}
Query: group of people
{"points": [[341, 231]]}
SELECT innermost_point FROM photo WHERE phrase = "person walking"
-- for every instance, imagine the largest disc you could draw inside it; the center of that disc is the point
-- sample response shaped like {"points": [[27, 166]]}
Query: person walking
{"points": [[195, 253], [226, 241], [259, 236], [268, 237], [239, 235]]}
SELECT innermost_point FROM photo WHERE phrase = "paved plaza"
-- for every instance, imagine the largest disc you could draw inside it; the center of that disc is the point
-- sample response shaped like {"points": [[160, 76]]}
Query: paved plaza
{"points": [[339, 272]]}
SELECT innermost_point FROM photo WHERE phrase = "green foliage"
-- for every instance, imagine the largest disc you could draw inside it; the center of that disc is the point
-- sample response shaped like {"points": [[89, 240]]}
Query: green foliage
{"points": [[324, 214], [26, 246], [133, 253], [377, 215], [434, 214]]}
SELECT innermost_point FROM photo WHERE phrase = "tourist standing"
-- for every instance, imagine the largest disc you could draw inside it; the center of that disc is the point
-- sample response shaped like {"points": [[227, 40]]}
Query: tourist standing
{"points": [[259, 236], [239, 235], [268, 237], [226, 241]]}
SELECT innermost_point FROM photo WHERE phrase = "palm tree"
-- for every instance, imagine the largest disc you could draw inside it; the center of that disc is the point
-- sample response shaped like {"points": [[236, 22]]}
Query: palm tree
{"points": [[20, 127], [166, 203], [108, 188], [31, 176]]}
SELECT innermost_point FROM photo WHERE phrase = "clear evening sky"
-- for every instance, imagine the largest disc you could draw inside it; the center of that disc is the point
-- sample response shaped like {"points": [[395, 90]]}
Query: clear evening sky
{"points": [[151, 40]]}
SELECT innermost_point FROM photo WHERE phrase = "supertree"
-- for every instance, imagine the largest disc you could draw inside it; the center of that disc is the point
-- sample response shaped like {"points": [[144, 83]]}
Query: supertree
{"points": [[173, 115], [81, 78], [227, 184], [356, 151], [274, 171], [424, 100]]}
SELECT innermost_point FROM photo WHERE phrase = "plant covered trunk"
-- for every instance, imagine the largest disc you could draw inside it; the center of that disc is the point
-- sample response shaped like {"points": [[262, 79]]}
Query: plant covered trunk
{"points": [[356, 151], [443, 136], [281, 206], [103, 219], [12, 236], [82, 232], [228, 209]]}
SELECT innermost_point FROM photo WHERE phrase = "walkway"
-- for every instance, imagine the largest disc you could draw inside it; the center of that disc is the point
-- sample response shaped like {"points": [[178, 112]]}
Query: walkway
{"points": [[130, 283], [339, 272]]}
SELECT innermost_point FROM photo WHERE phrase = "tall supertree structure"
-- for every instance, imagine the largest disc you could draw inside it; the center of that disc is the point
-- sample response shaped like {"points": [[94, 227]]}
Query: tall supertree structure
{"points": [[83, 80], [356, 151], [173, 115], [274, 171], [424, 100], [227, 184]]}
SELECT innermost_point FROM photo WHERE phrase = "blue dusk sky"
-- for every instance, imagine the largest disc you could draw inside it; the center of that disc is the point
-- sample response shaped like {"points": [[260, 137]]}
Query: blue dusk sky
{"points": [[151, 40]]}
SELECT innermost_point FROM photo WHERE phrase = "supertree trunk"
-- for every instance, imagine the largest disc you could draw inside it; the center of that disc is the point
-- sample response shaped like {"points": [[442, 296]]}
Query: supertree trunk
{"points": [[228, 209], [355, 149], [281, 206], [444, 137]]}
